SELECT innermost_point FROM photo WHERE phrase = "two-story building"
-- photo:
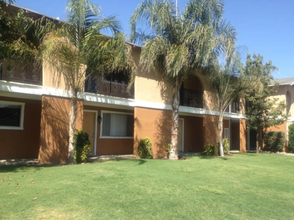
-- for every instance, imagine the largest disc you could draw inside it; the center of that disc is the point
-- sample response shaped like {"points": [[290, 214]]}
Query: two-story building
{"points": [[34, 111]]}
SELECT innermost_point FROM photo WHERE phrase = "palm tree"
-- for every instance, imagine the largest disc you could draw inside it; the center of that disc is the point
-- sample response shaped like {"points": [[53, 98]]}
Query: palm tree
{"points": [[77, 48], [230, 82], [176, 44]]}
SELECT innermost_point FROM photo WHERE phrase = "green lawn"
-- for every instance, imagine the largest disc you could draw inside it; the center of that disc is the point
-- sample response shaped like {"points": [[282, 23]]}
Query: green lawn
{"points": [[243, 186]]}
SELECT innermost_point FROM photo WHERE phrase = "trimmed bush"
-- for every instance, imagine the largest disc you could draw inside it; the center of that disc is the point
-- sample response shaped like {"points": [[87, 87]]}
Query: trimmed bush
{"points": [[210, 150], [291, 137], [226, 145], [274, 140], [145, 148], [82, 146]]}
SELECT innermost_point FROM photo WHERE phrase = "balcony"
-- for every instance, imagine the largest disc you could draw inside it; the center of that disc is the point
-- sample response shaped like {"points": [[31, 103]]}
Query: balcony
{"points": [[234, 107], [108, 86], [191, 98], [21, 74]]}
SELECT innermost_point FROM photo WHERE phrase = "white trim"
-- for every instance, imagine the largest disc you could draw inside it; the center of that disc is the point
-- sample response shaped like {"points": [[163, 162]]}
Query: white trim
{"points": [[183, 133], [101, 125], [108, 101], [21, 127], [95, 129]]}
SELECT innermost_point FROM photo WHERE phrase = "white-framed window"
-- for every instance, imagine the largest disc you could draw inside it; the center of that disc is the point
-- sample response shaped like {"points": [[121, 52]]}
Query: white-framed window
{"points": [[117, 125], [226, 133], [11, 115]]}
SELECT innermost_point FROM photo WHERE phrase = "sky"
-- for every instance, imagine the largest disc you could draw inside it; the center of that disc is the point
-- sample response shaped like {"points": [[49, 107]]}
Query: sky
{"points": [[264, 26]]}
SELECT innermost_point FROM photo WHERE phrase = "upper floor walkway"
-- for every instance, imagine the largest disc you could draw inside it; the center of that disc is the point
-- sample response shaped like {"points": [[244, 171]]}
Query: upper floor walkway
{"points": [[194, 93]]}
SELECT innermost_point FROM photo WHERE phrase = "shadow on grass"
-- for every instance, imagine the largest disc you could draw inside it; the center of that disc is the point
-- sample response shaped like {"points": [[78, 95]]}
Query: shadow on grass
{"points": [[132, 160], [38, 167], [214, 157], [26, 167]]}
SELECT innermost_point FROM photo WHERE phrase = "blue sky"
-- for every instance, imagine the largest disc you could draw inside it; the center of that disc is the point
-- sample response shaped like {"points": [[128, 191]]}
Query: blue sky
{"points": [[264, 26]]}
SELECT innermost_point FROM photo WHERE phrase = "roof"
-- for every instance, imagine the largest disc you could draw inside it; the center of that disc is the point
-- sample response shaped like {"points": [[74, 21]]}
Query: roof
{"points": [[284, 82], [39, 15]]}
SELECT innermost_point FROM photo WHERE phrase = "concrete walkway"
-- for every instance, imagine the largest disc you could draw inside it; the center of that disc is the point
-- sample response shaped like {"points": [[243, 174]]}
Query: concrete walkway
{"points": [[281, 153], [91, 159], [18, 162], [110, 157]]}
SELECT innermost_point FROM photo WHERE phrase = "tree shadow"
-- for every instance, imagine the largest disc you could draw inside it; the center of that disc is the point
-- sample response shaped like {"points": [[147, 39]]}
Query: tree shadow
{"points": [[162, 134], [54, 131], [214, 157], [165, 92], [26, 167], [137, 162]]}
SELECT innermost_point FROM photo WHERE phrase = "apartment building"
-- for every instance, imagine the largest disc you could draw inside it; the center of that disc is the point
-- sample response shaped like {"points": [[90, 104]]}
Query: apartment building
{"points": [[35, 103]]}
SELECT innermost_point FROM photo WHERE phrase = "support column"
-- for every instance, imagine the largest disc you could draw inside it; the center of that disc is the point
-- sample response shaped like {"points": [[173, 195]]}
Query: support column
{"points": [[243, 135]]}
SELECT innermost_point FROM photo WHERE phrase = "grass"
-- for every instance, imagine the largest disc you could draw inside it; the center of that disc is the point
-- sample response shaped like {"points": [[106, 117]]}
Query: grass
{"points": [[244, 186]]}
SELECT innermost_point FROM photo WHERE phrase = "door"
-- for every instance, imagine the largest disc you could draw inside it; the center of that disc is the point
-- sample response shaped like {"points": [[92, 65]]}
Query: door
{"points": [[181, 135], [235, 135], [252, 142], [89, 125]]}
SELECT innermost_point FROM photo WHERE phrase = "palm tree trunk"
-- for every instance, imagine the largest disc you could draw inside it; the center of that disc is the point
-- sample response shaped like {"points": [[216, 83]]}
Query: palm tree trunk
{"points": [[257, 144], [72, 127], [175, 123], [220, 138]]}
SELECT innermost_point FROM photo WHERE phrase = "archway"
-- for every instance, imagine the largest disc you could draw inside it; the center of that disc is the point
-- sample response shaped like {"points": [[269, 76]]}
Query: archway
{"points": [[191, 93]]}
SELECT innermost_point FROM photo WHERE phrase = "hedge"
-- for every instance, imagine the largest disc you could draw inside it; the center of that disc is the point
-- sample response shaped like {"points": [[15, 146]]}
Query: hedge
{"points": [[291, 137], [274, 140]]}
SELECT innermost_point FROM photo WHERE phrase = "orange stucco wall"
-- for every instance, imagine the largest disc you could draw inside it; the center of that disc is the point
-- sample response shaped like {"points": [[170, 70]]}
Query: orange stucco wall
{"points": [[22, 144], [226, 123], [111, 146], [282, 127], [155, 124], [210, 125], [242, 135], [54, 129]]}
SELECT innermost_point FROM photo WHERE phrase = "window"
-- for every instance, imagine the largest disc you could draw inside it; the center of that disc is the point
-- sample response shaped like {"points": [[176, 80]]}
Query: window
{"points": [[117, 77], [226, 133], [117, 125], [11, 115]]}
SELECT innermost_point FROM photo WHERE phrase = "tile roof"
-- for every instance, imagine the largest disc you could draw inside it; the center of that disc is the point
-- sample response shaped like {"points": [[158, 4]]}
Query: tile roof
{"points": [[284, 81]]}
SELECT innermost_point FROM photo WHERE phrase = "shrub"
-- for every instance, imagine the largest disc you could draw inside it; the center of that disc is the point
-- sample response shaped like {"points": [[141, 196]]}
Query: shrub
{"points": [[291, 137], [145, 148], [82, 146], [168, 150], [210, 150], [226, 145], [274, 140]]}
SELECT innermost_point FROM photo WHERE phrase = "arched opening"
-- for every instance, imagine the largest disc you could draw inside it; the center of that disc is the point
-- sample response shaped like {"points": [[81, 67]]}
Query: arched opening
{"points": [[191, 93], [288, 101]]}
